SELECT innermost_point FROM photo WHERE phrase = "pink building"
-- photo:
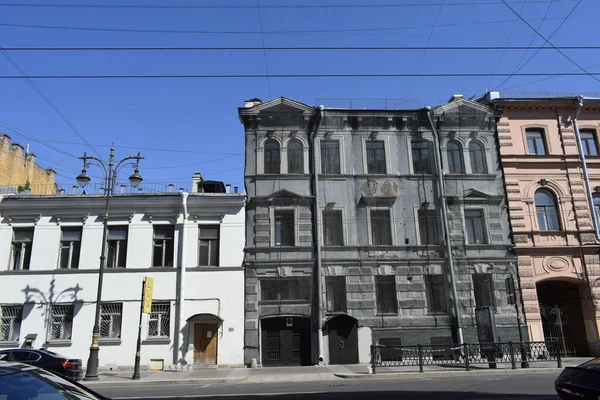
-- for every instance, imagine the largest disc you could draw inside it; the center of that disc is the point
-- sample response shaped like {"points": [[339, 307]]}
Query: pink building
{"points": [[554, 201]]}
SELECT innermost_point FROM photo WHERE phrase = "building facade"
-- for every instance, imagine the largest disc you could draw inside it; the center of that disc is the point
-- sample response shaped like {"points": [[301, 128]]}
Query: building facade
{"points": [[346, 236], [190, 243], [19, 171], [545, 143]]}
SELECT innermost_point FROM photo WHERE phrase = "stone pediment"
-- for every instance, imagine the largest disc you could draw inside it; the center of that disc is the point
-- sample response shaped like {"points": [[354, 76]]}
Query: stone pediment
{"points": [[462, 105], [280, 105], [476, 196]]}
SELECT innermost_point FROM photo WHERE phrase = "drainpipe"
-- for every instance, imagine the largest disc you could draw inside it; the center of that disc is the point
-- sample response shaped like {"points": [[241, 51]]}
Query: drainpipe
{"points": [[317, 231], [586, 176], [180, 350], [442, 191]]}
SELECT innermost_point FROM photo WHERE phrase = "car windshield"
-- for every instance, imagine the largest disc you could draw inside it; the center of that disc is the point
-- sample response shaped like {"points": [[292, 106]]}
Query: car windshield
{"points": [[40, 384], [592, 364]]}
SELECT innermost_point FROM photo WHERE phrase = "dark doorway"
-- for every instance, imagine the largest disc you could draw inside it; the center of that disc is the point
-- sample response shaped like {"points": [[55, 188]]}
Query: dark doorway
{"points": [[285, 341], [343, 340], [562, 316]]}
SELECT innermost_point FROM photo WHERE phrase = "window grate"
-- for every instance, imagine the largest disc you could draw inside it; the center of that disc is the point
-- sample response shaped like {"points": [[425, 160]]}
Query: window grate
{"points": [[10, 323], [159, 322], [61, 322], [111, 316]]}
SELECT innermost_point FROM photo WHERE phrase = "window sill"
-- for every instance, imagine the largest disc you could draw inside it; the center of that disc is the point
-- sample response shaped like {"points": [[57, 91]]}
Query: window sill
{"points": [[162, 340], [109, 341], [387, 314], [58, 343], [9, 344]]}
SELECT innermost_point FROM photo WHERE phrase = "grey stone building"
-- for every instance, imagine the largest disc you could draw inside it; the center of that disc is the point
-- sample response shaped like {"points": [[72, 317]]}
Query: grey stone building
{"points": [[346, 232]]}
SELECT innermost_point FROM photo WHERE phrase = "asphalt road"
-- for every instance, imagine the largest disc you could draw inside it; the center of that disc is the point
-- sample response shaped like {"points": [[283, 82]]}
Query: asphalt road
{"points": [[495, 387]]}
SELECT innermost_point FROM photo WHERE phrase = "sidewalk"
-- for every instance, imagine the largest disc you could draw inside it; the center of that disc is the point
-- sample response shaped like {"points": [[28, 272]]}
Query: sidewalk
{"points": [[314, 373]]}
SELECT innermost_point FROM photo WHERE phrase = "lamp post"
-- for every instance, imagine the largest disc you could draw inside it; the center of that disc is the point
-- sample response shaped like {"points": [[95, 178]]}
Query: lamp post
{"points": [[110, 177]]}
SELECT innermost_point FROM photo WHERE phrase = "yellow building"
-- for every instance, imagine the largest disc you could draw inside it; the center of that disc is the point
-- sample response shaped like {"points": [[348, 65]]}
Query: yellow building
{"points": [[19, 170]]}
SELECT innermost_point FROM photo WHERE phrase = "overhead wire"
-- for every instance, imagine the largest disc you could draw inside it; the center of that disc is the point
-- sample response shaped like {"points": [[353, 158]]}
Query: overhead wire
{"points": [[262, 37]]}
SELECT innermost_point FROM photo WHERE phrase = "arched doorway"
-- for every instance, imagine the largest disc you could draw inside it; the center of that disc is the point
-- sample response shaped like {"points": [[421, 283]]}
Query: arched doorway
{"points": [[342, 332], [562, 316], [285, 341], [204, 332]]}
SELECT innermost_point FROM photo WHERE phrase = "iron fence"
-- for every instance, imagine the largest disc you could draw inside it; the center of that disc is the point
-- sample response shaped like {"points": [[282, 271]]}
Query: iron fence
{"points": [[466, 355]]}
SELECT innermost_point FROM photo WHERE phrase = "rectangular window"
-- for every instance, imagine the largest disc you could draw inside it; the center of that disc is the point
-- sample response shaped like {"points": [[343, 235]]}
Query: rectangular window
{"points": [[387, 302], [116, 247], [111, 315], [483, 286], [333, 228], [381, 228], [436, 293], [589, 145], [164, 241], [159, 320], [330, 157], [10, 323], [421, 156], [61, 322], [284, 228], [70, 248], [429, 232], [208, 246], [375, 157], [535, 141], [21, 248], [336, 293], [475, 223], [285, 289]]}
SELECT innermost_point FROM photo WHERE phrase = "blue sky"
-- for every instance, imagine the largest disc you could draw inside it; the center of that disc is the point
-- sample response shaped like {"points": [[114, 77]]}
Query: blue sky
{"points": [[188, 125]]}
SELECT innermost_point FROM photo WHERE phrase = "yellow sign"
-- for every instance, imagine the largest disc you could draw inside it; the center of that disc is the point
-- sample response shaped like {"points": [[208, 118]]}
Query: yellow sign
{"points": [[148, 289]]}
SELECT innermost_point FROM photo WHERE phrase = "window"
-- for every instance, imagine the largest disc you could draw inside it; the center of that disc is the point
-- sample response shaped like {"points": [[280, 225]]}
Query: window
{"points": [[333, 228], [295, 155], [596, 198], [436, 293], [381, 228], [10, 323], [61, 322], [117, 247], [474, 221], [330, 157], [421, 156], [208, 246], [589, 146], [546, 210], [284, 227], [336, 293], [159, 320], [163, 246], [111, 316], [70, 248], [535, 141], [483, 286], [21, 248], [477, 155], [385, 286], [456, 164], [428, 227], [285, 289], [271, 157], [375, 157]]}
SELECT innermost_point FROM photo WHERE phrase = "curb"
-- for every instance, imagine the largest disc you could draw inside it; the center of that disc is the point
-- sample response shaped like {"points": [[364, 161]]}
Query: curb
{"points": [[441, 374], [143, 382]]}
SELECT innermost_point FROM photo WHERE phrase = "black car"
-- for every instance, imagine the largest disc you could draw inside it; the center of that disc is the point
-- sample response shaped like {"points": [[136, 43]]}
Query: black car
{"points": [[25, 382], [69, 367], [581, 382]]}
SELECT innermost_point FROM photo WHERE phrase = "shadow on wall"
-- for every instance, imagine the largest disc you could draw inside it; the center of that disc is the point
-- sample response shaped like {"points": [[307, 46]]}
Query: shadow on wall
{"points": [[45, 300]]}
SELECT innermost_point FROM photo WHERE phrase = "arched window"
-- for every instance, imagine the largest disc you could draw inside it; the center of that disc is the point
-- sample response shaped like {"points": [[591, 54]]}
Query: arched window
{"points": [[477, 155], [546, 210], [455, 158], [272, 157], [295, 157]]}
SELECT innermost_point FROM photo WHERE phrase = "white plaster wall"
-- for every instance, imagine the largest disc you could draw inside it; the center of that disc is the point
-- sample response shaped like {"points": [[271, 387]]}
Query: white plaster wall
{"points": [[233, 228], [365, 339], [44, 250]]}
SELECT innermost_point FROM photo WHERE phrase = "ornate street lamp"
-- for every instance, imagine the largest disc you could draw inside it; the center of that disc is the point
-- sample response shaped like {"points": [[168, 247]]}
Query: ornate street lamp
{"points": [[110, 177]]}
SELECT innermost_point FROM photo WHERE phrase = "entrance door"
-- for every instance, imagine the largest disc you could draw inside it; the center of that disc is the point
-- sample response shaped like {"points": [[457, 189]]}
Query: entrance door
{"points": [[205, 343], [285, 341], [343, 340]]}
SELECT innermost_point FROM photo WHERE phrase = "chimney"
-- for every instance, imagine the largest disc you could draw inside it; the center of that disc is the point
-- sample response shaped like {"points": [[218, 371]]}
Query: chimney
{"points": [[228, 188], [122, 189], [61, 191], [74, 189], [171, 188], [140, 190], [196, 181], [235, 189], [252, 102]]}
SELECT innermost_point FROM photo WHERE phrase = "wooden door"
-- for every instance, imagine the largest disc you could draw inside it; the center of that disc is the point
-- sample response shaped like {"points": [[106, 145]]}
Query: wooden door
{"points": [[205, 343], [343, 341]]}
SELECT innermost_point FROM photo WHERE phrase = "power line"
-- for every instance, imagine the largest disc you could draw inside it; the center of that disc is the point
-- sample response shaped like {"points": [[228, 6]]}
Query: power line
{"points": [[262, 37], [272, 6], [547, 41], [299, 76]]}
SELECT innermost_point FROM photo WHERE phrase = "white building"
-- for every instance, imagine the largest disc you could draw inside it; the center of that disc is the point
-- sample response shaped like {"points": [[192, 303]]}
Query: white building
{"points": [[190, 243]]}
